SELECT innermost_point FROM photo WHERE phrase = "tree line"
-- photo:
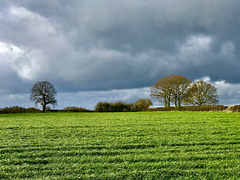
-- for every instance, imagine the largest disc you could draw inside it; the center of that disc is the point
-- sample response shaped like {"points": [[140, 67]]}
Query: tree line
{"points": [[43, 93], [180, 90], [173, 89]]}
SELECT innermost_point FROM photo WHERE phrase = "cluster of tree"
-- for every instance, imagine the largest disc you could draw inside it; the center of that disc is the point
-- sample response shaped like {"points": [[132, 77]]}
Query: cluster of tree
{"points": [[140, 105], [179, 90], [174, 89], [43, 93]]}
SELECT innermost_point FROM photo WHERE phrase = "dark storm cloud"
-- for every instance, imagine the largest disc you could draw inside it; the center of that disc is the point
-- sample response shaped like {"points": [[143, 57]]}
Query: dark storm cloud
{"points": [[104, 45]]}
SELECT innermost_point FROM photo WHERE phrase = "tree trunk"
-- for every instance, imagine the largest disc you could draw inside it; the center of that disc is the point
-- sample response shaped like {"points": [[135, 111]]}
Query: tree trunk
{"points": [[168, 103], [165, 101], [175, 102], [44, 108], [179, 103]]}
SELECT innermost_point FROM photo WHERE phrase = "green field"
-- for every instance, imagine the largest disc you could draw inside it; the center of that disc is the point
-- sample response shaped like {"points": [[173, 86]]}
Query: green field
{"points": [[141, 145]]}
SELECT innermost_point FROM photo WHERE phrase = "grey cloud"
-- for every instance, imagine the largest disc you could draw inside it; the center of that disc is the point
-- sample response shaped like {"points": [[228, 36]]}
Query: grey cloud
{"points": [[103, 45]]}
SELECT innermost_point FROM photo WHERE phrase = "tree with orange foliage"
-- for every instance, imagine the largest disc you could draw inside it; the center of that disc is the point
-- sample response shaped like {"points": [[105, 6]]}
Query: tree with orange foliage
{"points": [[162, 90], [171, 88], [180, 86], [201, 93]]}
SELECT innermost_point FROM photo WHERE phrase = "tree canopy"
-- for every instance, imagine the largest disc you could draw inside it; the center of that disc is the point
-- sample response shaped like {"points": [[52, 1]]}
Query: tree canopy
{"points": [[178, 89], [169, 89], [201, 93], [179, 85], [162, 90], [43, 93]]}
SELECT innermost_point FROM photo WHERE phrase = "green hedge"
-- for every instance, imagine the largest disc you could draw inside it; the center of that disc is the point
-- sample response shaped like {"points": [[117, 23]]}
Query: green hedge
{"points": [[17, 109], [163, 109], [191, 108], [113, 107], [233, 108], [75, 109], [140, 105]]}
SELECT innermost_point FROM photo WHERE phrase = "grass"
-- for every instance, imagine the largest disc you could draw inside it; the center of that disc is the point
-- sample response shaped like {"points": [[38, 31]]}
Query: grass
{"points": [[142, 145]]}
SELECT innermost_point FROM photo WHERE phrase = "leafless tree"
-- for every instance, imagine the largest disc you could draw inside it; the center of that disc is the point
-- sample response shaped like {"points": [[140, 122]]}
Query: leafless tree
{"points": [[43, 93]]}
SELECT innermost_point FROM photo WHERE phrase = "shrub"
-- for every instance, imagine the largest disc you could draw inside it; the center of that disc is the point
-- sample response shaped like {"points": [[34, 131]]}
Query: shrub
{"points": [[191, 108], [163, 109], [121, 107], [17, 109], [113, 107], [203, 108], [102, 107], [75, 109], [33, 110], [142, 104], [233, 108], [13, 109]]}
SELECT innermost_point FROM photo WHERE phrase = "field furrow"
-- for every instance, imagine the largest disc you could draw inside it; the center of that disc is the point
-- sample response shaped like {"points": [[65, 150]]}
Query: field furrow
{"points": [[142, 145]]}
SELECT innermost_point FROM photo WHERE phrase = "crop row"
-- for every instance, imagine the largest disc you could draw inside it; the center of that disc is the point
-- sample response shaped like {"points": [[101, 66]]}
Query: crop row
{"points": [[147, 145]]}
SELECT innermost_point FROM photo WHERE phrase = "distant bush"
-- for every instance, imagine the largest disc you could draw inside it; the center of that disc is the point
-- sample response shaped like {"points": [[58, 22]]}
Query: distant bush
{"points": [[142, 105], [191, 108], [75, 109], [33, 110], [113, 107], [13, 109], [203, 108], [233, 108], [163, 109], [120, 107], [17, 109], [103, 107]]}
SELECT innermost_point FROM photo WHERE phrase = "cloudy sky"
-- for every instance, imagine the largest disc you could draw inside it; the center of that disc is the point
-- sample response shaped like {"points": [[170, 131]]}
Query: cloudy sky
{"points": [[105, 50]]}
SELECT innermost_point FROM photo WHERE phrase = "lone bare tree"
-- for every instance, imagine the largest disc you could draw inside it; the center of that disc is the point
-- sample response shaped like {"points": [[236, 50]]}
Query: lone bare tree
{"points": [[43, 93]]}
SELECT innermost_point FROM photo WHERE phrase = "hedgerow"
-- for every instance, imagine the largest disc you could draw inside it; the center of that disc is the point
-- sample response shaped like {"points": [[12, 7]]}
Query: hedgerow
{"points": [[191, 108], [17, 109], [75, 109], [233, 108]]}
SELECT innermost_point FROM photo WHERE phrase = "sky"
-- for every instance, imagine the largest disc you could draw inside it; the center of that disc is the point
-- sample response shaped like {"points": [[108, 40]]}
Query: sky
{"points": [[105, 50]]}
